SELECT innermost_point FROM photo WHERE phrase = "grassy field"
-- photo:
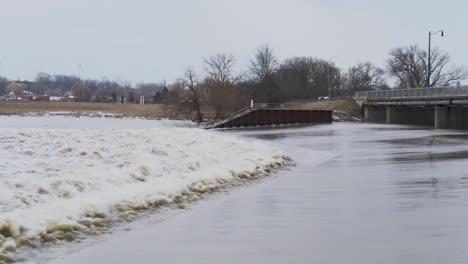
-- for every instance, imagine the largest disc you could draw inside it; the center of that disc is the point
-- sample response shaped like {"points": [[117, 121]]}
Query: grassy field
{"points": [[151, 111]]}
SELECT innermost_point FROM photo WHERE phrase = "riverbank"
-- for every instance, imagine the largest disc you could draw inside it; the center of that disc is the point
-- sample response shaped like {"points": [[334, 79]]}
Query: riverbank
{"points": [[344, 110]]}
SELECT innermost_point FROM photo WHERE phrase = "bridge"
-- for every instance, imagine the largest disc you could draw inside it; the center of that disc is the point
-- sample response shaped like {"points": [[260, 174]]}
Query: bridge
{"points": [[265, 114], [439, 107]]}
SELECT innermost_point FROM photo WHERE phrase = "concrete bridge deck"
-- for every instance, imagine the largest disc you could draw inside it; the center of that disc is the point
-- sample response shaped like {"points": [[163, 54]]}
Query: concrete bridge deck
{"points": [[439, 107]]}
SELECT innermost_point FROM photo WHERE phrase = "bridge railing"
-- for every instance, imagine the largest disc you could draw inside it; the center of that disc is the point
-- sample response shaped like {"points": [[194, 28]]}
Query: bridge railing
{"points": [[256, 106], [414, 93], [270, 105]]}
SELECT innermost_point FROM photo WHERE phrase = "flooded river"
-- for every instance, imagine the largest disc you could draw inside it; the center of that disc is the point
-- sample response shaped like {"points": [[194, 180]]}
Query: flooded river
{"points": [[360, 193]]}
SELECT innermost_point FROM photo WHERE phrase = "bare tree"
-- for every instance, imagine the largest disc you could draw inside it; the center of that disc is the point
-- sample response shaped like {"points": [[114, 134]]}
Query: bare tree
{"points": [[308, 77], [264, 64], [3, 85], [299, 69], [220, 75], [81, 91], [364, 76], [42, 83], [184, 96], [441, 72], [409, 66], [177, 103], [263, 68], [192, 84]]}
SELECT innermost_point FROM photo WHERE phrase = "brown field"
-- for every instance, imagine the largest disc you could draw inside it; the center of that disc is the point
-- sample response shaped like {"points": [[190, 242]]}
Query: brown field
{"points": [[150, 111]]}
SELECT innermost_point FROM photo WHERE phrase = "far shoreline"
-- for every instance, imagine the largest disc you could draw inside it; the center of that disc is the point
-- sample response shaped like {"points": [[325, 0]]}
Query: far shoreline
{"points": [[343, 110]]}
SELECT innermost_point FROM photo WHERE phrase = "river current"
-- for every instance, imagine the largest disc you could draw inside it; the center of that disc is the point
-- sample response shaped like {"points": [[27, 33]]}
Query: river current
{"points": [[360, 193]]}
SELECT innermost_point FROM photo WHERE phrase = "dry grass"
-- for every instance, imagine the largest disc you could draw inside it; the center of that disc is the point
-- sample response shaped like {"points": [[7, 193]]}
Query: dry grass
{"points": [[350, 107], [151, 111], [347, 106]]}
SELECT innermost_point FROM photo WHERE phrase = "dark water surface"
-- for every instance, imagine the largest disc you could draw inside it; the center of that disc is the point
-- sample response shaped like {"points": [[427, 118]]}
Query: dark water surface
{"points": [[359, 194]]}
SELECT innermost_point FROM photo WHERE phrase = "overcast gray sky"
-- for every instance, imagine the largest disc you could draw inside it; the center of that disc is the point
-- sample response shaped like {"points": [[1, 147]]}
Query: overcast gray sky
{"points": [[153, 40]]}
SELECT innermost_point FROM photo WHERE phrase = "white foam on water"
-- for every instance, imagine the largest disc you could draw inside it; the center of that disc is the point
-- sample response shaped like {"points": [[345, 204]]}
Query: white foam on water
{"points": [[51, 177], [66, 122]]}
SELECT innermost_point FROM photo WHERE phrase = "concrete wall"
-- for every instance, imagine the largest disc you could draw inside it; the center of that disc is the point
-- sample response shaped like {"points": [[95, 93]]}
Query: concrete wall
{"points": [[457, 117], [375, 114], [265, 117], [441, 117], [411, 115]]}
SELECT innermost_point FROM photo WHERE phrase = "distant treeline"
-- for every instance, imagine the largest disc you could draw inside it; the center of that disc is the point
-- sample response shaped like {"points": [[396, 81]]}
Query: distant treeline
{"points": [[303, 78], [220, 87], [84, 90]]}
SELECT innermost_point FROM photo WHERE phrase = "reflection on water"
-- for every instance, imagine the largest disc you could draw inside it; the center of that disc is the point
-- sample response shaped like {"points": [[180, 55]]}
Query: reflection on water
{"points": [[397, 128], [431, 186], [275, 136], [425, 141], [455, 136], [387, 194], [416, 157], [360, 193]]}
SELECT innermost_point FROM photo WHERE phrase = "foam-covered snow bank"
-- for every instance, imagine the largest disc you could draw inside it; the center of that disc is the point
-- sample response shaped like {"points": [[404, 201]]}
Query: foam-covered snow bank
{"points": [[56, 184]]}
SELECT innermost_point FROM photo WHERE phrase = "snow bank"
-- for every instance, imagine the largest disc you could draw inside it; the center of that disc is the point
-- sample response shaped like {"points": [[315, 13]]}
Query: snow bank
{"points": [[58, 183]]}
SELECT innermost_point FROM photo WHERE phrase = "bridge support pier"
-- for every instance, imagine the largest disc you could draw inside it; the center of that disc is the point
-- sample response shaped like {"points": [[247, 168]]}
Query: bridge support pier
{"points": [[410, 115], [392, 114], [457, 117], [441, 117], [375, 114]]}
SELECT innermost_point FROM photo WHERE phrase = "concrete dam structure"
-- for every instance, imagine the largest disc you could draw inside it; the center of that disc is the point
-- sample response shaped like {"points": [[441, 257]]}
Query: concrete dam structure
{"points": [[440, 107], [264, 114]]}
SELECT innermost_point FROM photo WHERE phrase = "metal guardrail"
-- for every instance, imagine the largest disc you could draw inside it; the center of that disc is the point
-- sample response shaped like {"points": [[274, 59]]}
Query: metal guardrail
{"points": [[258, 106], [414, 93], [240, 111], [255, 106], [270, 105]]}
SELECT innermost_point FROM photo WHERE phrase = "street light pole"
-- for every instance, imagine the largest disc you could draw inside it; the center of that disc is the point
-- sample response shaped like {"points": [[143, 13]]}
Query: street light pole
{"points": [[429, 57], [428, 83], [328, 75]]}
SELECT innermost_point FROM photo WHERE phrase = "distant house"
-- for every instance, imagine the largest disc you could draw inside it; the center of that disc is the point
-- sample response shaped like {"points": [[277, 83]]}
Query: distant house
{"points": [[56, 98], [12, 97], [42, 98]]}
